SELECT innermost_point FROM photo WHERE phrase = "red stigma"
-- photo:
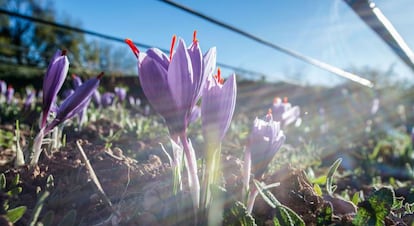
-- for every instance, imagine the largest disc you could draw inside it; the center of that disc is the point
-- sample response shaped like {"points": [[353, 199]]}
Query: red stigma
{"points": [[100, 75], [9, 87], [172, 46], [218, 77], [63, 53], [131, 44], [285, 100], [74, 76], [195, 36]]}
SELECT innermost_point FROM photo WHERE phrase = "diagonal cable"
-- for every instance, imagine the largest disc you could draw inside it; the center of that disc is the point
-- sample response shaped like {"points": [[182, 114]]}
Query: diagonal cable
{"points": [[320, 64]]}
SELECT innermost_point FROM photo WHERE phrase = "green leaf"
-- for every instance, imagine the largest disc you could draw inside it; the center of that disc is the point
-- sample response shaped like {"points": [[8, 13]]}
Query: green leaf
{"points": [[15, 214], [356, 198], [15, 191], [237, 215], [324, 216], [266, 194], [16, 179], [2, 181], [38, 208], [282, 218], [294, 217], [317, 189], [69, 219], [374, 210], [319, 180], [329, 177], [281, 209]]}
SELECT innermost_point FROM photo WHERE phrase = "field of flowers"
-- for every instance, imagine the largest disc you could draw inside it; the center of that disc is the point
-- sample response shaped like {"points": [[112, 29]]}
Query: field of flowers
{"points": [[200, 149]]}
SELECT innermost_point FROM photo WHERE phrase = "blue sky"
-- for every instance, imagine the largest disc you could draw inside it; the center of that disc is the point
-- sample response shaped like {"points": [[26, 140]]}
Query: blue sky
{"points": [[325, 30]]}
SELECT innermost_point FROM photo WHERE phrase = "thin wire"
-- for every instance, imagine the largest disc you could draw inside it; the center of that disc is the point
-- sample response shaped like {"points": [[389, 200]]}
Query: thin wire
{"points": [[113, 38], [320, 64]]}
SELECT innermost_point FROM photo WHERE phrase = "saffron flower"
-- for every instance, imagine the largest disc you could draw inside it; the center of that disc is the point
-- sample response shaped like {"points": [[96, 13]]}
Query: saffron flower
{"points": [[9, 94], [30, 98], [71, 106], [120, 93], [53, 81], [173, 84], [75, 103], [283, 112], [217, 107], [264, 141], [107, 99]]}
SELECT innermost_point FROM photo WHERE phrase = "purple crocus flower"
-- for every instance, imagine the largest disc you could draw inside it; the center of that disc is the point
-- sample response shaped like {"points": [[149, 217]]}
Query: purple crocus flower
{"points": [[120, 93], [264, 141], [107, 99], [283, 112], [173, 84], [9, 94], [75, 103], [77, 81], [217, 107], [53, 81], [29, 100]]}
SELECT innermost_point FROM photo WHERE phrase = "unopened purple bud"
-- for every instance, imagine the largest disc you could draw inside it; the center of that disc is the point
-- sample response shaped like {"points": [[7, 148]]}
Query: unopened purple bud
{"points": [[53, 81], [75, 103], [77, 81], [29, 100], [120, 93], [9, 94], [265, 140], [107, 99]]}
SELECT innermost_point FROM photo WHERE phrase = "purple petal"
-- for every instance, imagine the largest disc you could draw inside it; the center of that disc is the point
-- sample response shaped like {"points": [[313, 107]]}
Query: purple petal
{"points": [[153, 79], [217, 108], [158, 56], [180, 78], [53, 81], [74, 103], [197, 65]]}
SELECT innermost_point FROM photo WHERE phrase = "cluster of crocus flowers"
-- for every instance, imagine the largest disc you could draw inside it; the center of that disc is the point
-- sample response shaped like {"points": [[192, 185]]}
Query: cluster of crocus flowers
{"points": [[174, 83], [284, 112], [264, 141], [72, 105]]}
